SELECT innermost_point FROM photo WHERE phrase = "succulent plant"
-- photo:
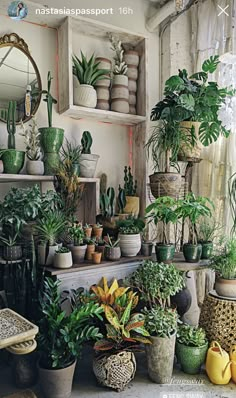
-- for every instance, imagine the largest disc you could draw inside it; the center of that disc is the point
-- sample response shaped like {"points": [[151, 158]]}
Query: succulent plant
{"points": [[120, 67], [87, 71]]}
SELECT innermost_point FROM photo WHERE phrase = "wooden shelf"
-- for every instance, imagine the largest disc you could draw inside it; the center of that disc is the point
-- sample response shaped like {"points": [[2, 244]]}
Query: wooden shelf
{"points": [[27, 177], [98, 115]]}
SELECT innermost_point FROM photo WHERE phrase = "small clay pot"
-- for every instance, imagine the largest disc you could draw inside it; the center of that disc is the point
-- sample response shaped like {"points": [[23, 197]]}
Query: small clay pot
{"points": [[97, 232], [89, 252], [101, 249], [88, 232], [96, 257]]}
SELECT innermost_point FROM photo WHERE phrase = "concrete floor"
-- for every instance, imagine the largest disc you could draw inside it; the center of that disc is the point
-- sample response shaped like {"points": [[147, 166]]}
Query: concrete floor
{"points": [[182, 386]]}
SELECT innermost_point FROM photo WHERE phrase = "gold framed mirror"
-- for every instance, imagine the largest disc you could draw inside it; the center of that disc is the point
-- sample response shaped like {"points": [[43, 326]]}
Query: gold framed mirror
{"points": [[20, 80]]}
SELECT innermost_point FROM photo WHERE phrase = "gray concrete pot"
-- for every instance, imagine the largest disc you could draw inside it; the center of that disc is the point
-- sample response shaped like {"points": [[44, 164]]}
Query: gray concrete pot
{"points": [[88, 164], [160, 358], [78, 253], [56, 383], [62, 260], [35, 167], [43, 258]]}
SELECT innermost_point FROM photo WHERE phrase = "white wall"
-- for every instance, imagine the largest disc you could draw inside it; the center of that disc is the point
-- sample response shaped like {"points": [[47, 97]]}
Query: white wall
{"points": [[110, 141]]}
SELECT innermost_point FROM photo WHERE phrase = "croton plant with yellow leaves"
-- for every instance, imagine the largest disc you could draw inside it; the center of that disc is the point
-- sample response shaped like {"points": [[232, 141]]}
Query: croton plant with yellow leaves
{"points": [[124, 327]]}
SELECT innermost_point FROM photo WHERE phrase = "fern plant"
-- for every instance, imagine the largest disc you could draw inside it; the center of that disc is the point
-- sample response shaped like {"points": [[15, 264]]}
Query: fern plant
{"points": [[87, 71]]}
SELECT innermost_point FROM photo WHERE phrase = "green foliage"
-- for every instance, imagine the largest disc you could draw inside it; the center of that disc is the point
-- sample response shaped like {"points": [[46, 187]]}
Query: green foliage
{"points": [[77, 232], [163, 210], [130, 186], [70, 153], [11, 124], [191, 335], [121, 200], [208, 229], [32, 140], [232, 200], [62, 250], [110, 243], [49, 99], [107, 202], [224, 262], [50, 227], [87, 71], [62, 336], [10, 241], [156, 282], [160, 322], [86, 142], [131, 225]]}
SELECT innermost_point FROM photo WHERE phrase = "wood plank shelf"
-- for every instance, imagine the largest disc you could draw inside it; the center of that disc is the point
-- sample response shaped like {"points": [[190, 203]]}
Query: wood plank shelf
{"points": [[98, 115], [27, 177]]}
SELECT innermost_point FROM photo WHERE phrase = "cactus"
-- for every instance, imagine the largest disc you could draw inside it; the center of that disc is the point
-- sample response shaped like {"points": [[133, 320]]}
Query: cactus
{"points": [[3, 114], [121, 200], [11, 124], [130, 186], [49, 99], [107, 202], [103, 183], [86, 142], [111, 197]]}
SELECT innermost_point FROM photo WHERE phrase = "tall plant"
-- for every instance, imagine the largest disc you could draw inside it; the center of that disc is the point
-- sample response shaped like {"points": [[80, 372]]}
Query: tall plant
{"points": [[49, 99]]}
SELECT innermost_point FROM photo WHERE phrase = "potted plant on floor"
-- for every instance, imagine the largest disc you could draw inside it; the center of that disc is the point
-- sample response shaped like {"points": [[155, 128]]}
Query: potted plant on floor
{"points": [[61, 340], [62, 258], [88, 73], [34, 165], [51, 138], [207, 231], [88, 161], [78, 248], [70, 155], [129, 236], [191, 348], [191, 209], [156, 284], [224, 264], [163, 211], [112, 250], [130, 187]]}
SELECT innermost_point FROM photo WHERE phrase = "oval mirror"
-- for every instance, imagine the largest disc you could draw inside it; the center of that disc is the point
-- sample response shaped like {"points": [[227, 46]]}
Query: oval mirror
{"points": [[19, 78]]}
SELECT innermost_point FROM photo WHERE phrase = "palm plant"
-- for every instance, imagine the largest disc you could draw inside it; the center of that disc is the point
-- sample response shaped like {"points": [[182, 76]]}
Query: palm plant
{"points": [[50, 226], [87, 70]]}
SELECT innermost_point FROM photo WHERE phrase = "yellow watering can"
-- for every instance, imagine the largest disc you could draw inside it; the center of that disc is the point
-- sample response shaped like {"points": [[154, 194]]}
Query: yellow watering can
{"points": [[232, 355], [218, 364]]}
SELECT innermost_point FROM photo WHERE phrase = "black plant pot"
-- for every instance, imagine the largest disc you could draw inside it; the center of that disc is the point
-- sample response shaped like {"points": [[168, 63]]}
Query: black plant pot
{"points": [[146, 249], [207, 249], [182, 301], [164, 253], [192, 253], [12, 253]]}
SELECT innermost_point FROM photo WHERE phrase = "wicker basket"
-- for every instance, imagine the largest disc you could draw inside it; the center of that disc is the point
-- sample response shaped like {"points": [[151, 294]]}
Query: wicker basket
{"points": [[218, 318]]}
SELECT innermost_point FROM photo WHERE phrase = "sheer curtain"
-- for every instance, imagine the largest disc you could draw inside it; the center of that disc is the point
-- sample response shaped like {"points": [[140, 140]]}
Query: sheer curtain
{"points": [[213, 34]]}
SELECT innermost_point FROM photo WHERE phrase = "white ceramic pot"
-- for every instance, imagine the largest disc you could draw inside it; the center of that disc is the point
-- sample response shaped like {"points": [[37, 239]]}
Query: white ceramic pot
{"points": [[78, 253], [62, 260], [120, 105], [103, 93], [226, 287], [132, 98], [43, 258], [131, 57], [104, 63], [85, 95], [130, 244], [132, 72], [35, 167], [132, 85], [120, 79], [103, 104], [88, 164], [132, 110], [1, 167]]}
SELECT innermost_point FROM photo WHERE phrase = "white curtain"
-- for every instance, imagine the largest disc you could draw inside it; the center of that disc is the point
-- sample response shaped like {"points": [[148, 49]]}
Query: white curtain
{"points": [[213, 34]]}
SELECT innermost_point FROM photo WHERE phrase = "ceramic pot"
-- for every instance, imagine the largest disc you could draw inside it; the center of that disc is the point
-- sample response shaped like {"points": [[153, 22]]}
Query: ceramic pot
{"points": [[165, 184], [88, 164], [51, 139], [119, 91], [103, 104], [1, 167], [104, 63], [226, 287], [35, 167], [78, 253], [13, 161], [132, 72], [120, 105], [62, 260], [160, 358], [130, 245], [132, 205], [164, 253], [120, 80], [132, 85], [96, 257], [207, 249], [192, 253], [85, 95], [103, 93], [87, 232], [90, 250], [146, 249], [56, 383], [12, 253], [51, 163], [191, 358], [182, 301], [43, 257], [97, 232], [131, 57], [115, 371], [112, 253], [187, 151]]}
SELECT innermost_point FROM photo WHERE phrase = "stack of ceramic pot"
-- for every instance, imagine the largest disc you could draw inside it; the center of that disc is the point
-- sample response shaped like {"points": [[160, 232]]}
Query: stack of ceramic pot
{"points": [[131, 58], [103, 86], [120, 94]]}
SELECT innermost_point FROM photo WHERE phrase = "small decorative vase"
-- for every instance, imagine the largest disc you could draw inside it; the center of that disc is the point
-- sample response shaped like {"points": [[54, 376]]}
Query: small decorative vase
{"points": [[96, 257], [85, 95], [35, 167], [13, 161], [164, 253]]}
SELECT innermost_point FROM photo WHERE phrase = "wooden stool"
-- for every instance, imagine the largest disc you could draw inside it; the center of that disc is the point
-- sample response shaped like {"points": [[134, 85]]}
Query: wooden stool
{"points": [[22, 394]]}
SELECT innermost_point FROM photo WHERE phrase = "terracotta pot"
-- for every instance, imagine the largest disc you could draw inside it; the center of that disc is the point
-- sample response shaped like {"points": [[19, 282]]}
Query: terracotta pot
{"points": [[85, 95], [104, 63], [96, 257], [78, 253], [97, 232], [88, 232], [130, 245], [88, 164], [44, 259], [132, 85], [226, 287], [131, 57], [165, 184], [112, 253], [132, 72], [187, 151], [103, 104], [132, 205], [101, 249], [56, 383], [90, 250], [120, 105], [35, 167], [62, 260]]}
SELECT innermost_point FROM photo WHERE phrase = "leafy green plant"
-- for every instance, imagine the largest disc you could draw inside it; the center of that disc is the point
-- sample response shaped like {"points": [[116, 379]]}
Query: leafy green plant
{"points": [[11, 124], [160, 322], [191, 335], [98, 226], [32, 140], [131, 225], [71, 153], [224, 262], [195, 98], [63, 250], [208, 229], [62, 336], [120, 67], [89, 241], [163, 210], [130, 186], [50, 227], [49, 99], [77, 232], [86, 142], [87, 71], [121, 200], [110, 243]]}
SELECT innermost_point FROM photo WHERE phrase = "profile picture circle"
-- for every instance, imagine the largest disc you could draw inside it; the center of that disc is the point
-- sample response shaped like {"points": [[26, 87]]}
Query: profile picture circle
{"points": [[18, 10]]}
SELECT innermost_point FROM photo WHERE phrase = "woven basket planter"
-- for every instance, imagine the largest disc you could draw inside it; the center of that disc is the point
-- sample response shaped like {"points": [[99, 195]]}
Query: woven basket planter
{"points": [[219, 321]]}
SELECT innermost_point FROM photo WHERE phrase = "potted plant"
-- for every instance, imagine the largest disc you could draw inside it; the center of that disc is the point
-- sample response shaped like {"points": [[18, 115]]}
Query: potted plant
{"points": [[13, 160], [191, 348], [192, 208], [163, 210], [12, 250], [97, 257], [129, 236], [34, 165], [70, 155], [51, 138], [88, 73], [49, 228], [112, 250], [146, 244], [130, 187], [62, 258], [97, 230], [88, 161], [157, 283], [224, 264], [87, 231], [61, 339], [107, 216], [100, 248], [207, 231], [11, 229], [91, 247], [114, 364], [78, 248], [121, 202]]}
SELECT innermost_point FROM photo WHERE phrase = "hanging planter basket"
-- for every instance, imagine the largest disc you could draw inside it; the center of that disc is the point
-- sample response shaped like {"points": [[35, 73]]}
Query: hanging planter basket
{"points": [[165, 184]]}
